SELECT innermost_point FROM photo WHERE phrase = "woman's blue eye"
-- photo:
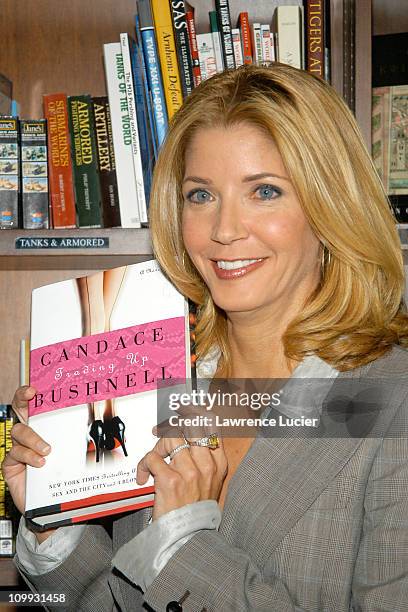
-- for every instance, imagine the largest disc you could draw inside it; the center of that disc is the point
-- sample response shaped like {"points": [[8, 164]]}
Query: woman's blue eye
{"points": [[199, 196], [268, 192]]}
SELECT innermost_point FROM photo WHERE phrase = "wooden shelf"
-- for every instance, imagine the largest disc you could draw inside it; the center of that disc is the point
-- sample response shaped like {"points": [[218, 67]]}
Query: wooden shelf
{"points": [[9, 576], [126, 246]]}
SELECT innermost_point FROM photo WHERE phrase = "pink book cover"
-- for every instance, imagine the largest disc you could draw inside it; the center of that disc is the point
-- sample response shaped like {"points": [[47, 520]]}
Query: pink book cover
{"points": [[100, 345]]}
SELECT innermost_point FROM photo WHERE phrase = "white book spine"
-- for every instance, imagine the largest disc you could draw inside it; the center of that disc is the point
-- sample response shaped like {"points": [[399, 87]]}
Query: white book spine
{"points": [[219, 60], [122, 141], [236, 43], [273, 51], [266, 43], [257, 43], [289, 32], [206, 55], [137, 155]]}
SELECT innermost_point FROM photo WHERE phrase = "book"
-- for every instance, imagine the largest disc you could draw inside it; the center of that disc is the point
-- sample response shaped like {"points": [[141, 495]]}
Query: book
{"points": [[163, 26], [257, 43], [216, 39], [224, 21], [390, 61], [10, 173], [62, 200], [84, 161], [8, 514], [206, 53], [289, 26], [266, 43], [193, 44], [122, 140], [178, 12], [236, 42], [34, 174], [243, 25], [6, 95], [314, 35], [106, 162], [126, 44], [153, 72], [98, 357]]}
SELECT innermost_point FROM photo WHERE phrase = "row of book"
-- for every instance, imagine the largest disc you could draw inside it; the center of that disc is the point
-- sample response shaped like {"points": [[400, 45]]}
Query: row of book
{"points": [[90, 162], [8, 513]]}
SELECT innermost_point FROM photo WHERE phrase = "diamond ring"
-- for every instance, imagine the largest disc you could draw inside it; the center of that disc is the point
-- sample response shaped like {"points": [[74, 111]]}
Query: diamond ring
{"points": [[212, 441], [178, 448]]}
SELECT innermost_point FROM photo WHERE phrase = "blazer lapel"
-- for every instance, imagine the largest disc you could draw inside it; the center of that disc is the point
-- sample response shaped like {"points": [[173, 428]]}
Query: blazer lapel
{"points": [[278, 480]]}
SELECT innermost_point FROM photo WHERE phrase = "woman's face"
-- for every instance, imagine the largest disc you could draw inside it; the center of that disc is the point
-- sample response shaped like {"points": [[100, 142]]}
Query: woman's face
{"points": [[243, 226]]}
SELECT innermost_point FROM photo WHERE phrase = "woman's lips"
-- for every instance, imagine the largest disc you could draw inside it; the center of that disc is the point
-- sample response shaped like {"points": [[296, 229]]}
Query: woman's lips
{"points": [[237, 272]]}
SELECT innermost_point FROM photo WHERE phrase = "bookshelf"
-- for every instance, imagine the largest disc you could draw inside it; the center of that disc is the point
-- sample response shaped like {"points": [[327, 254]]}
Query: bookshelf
{"points": [[48, 46]]}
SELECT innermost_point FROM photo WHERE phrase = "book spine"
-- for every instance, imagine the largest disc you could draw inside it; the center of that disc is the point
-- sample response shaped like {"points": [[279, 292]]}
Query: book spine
{"points": [[208, 64], [315, 37], [62, 200], [84, 158], [193, 48], [34, 174], [106, 163], [178, 11], [236, 41], [257, 42], [290, 35], [167, 54], [216, 38], [266, 43], [122, 141], [154, 77], [144, 112], [243, 22], [9, 173], [134, 128], [224, 20]]}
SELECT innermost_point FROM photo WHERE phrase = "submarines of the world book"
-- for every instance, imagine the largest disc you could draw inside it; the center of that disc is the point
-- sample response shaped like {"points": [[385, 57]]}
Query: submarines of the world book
{"points": [[100, 344]]}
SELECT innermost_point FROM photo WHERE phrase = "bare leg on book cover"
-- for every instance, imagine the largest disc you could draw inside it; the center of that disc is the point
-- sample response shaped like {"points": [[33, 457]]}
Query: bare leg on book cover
{"points": [[98, 295]]}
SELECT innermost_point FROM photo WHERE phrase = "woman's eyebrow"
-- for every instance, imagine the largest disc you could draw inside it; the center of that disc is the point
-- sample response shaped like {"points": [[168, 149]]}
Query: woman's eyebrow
{"points": [[197, 179], [262, 175]]}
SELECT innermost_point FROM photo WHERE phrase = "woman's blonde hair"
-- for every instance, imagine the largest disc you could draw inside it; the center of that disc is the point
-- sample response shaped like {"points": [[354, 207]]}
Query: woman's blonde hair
{"points": [[357, 312]]}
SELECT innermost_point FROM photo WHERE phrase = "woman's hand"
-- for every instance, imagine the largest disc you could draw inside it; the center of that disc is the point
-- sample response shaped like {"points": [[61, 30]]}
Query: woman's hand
{"points": [[194, 474], [27, 449]]}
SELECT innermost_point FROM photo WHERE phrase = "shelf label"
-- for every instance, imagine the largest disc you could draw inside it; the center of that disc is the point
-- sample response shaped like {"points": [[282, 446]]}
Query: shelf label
{"points": [[72, 242]]}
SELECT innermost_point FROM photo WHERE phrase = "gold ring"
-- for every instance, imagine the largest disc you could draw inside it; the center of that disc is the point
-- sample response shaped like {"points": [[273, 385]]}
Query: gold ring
{"points": [[212, 441]]}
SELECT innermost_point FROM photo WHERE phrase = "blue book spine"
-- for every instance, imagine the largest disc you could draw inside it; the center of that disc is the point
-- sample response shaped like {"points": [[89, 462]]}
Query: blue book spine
{"points": [[145, 137], [155, 83], [147, 96]]}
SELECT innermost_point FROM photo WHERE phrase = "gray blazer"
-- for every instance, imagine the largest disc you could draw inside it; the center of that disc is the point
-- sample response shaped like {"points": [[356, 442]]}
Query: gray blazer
{"points": [[308, 524]]}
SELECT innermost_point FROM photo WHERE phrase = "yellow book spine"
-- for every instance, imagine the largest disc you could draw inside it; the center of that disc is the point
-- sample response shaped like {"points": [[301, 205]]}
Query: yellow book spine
{"points": [[166, 45]]}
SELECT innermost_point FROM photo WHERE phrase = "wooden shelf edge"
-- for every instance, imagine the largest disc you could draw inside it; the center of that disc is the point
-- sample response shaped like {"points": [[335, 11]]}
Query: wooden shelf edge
{"points": [[125, 246], [8, 572]]}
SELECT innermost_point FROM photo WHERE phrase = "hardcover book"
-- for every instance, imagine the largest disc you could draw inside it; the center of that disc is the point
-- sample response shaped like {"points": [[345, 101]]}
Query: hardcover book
{"points": [[106, 162], [85, 161], [34, 173], [243, 24], [216, 38], [62, 198], [315, 27], [127, 46], [206, 53], [9, 173], [121, 133], [224, 20], [192, 37], [289, 24], [163, 25], [178, 11], [153, 72], [100, 346]]}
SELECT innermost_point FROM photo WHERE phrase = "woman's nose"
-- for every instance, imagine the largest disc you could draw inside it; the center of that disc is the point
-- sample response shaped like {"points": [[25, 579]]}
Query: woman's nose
{"points": [[228, 223]]}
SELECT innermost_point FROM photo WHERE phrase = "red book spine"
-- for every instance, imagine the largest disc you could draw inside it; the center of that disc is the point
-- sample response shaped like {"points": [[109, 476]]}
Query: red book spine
{"points": [[243, 24], [315, 37], [60, 163], [193, 48]]}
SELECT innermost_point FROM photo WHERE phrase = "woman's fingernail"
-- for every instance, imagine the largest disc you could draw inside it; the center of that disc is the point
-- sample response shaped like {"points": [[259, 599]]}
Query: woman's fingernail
{"points": [[41, 460], [43, 448]]}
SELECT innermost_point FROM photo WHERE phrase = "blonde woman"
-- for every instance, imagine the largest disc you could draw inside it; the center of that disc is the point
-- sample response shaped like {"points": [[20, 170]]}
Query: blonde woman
{"points": [[267, 212]]}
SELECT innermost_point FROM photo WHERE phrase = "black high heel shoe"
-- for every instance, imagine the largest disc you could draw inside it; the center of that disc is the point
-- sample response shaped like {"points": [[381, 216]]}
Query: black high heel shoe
{"points": [[115, 430], [96, 434]]}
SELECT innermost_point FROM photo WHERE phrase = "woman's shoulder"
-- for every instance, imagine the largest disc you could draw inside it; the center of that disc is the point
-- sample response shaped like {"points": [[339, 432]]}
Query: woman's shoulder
{"points": [[393, 364]]}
